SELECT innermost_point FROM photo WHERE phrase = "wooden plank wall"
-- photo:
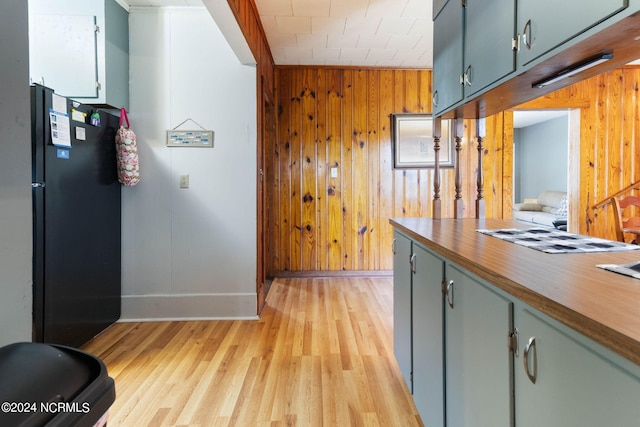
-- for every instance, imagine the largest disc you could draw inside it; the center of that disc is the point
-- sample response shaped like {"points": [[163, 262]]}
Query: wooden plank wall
{"points": [[609, 145], [609, 154], [340, 118]]}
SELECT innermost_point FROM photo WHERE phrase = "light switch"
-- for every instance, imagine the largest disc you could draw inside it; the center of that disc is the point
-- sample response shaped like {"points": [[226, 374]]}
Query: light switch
{"points": [[184, 181], [334, 172]]}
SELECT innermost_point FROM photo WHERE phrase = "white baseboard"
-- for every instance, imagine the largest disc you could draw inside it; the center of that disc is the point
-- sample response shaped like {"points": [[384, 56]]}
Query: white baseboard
{"points": [[145, 308]]}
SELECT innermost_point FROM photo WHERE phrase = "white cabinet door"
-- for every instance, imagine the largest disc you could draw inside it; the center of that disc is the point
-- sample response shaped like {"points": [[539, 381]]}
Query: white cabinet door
{"points": [[80, 49], [479, 363], [63, 54], [576, 384], [428, 365]]}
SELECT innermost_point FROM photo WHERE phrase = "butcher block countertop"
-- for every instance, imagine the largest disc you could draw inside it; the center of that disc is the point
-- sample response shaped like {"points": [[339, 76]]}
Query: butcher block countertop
{"points": [[600, 304]]}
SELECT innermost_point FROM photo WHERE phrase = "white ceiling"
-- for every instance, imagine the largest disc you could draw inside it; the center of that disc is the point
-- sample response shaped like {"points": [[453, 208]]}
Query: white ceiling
{"points": [[387, 33], [375, 33]]}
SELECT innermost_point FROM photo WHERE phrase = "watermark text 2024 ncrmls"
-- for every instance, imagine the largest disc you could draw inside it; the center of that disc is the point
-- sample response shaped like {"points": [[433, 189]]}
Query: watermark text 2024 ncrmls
{"points": [[47, 407], [66, 407]]}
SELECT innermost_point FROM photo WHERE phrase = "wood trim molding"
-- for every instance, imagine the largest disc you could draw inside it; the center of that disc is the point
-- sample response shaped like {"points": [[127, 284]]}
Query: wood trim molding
{"points": [[335, 273]]}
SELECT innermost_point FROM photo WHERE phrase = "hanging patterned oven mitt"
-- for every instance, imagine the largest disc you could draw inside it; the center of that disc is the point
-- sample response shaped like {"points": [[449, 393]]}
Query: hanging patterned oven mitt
{"points": [[127, 153]]}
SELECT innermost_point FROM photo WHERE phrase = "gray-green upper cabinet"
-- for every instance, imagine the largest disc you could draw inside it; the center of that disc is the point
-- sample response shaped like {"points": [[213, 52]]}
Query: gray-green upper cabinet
{"points": [[489, 52], [448, 36], [546, 24], [473, 46]]}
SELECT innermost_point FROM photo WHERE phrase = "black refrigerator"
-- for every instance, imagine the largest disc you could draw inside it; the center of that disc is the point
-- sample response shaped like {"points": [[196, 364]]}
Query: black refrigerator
{"points": [[76, 220]]}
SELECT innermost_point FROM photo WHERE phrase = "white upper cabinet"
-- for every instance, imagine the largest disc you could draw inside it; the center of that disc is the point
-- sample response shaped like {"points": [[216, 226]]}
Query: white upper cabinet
{"points": [[81, 50]]}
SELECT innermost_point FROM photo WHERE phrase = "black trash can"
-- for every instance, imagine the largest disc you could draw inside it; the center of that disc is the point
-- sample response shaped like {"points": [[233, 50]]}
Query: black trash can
{"points": [[53, 385]]}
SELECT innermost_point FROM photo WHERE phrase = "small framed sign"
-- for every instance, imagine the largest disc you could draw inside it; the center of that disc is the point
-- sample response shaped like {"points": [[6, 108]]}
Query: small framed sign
{"points": [[412, 142], [189, 138]]}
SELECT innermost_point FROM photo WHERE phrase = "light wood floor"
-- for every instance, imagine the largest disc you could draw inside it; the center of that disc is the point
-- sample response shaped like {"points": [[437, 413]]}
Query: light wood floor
{"points": [[320, 355]]}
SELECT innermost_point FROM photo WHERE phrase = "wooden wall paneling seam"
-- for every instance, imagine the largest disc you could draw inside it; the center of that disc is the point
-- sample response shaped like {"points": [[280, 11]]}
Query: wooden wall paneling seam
{"points": [[347, 156], [309, 171], [322, 151], [334, 194], [587, 165], [601, 184], [374, 223], [296, 175], [286, 184], [360, 225], [274, 177], [385, 202], [399, 175]]}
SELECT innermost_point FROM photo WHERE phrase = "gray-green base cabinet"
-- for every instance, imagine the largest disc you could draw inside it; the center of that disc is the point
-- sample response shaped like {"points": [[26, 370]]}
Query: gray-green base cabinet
{"points": [[418, 317], [428, 362], [578, 383], [479, 363], [402, 250], [476, 356]]}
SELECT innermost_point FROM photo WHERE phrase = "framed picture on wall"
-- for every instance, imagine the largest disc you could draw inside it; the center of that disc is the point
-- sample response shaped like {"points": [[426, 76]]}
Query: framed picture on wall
{"points": [[412, 142]]}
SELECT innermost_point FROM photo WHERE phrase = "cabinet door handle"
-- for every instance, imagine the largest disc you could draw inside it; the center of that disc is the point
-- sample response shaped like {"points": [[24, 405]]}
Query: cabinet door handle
{"points": [[513, 341], [449, 293], [468, 76], [393, 246], [412, 261], [526, 34], [528, 349], [435, 99]]}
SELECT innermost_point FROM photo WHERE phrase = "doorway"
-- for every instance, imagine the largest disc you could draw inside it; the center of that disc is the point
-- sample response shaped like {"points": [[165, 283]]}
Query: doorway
{"points": [[546, 155], [541, 150]]}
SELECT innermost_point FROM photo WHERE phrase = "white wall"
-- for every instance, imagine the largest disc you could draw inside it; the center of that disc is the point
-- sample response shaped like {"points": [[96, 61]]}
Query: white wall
{"points": [[15, 176], [189, 253]]}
